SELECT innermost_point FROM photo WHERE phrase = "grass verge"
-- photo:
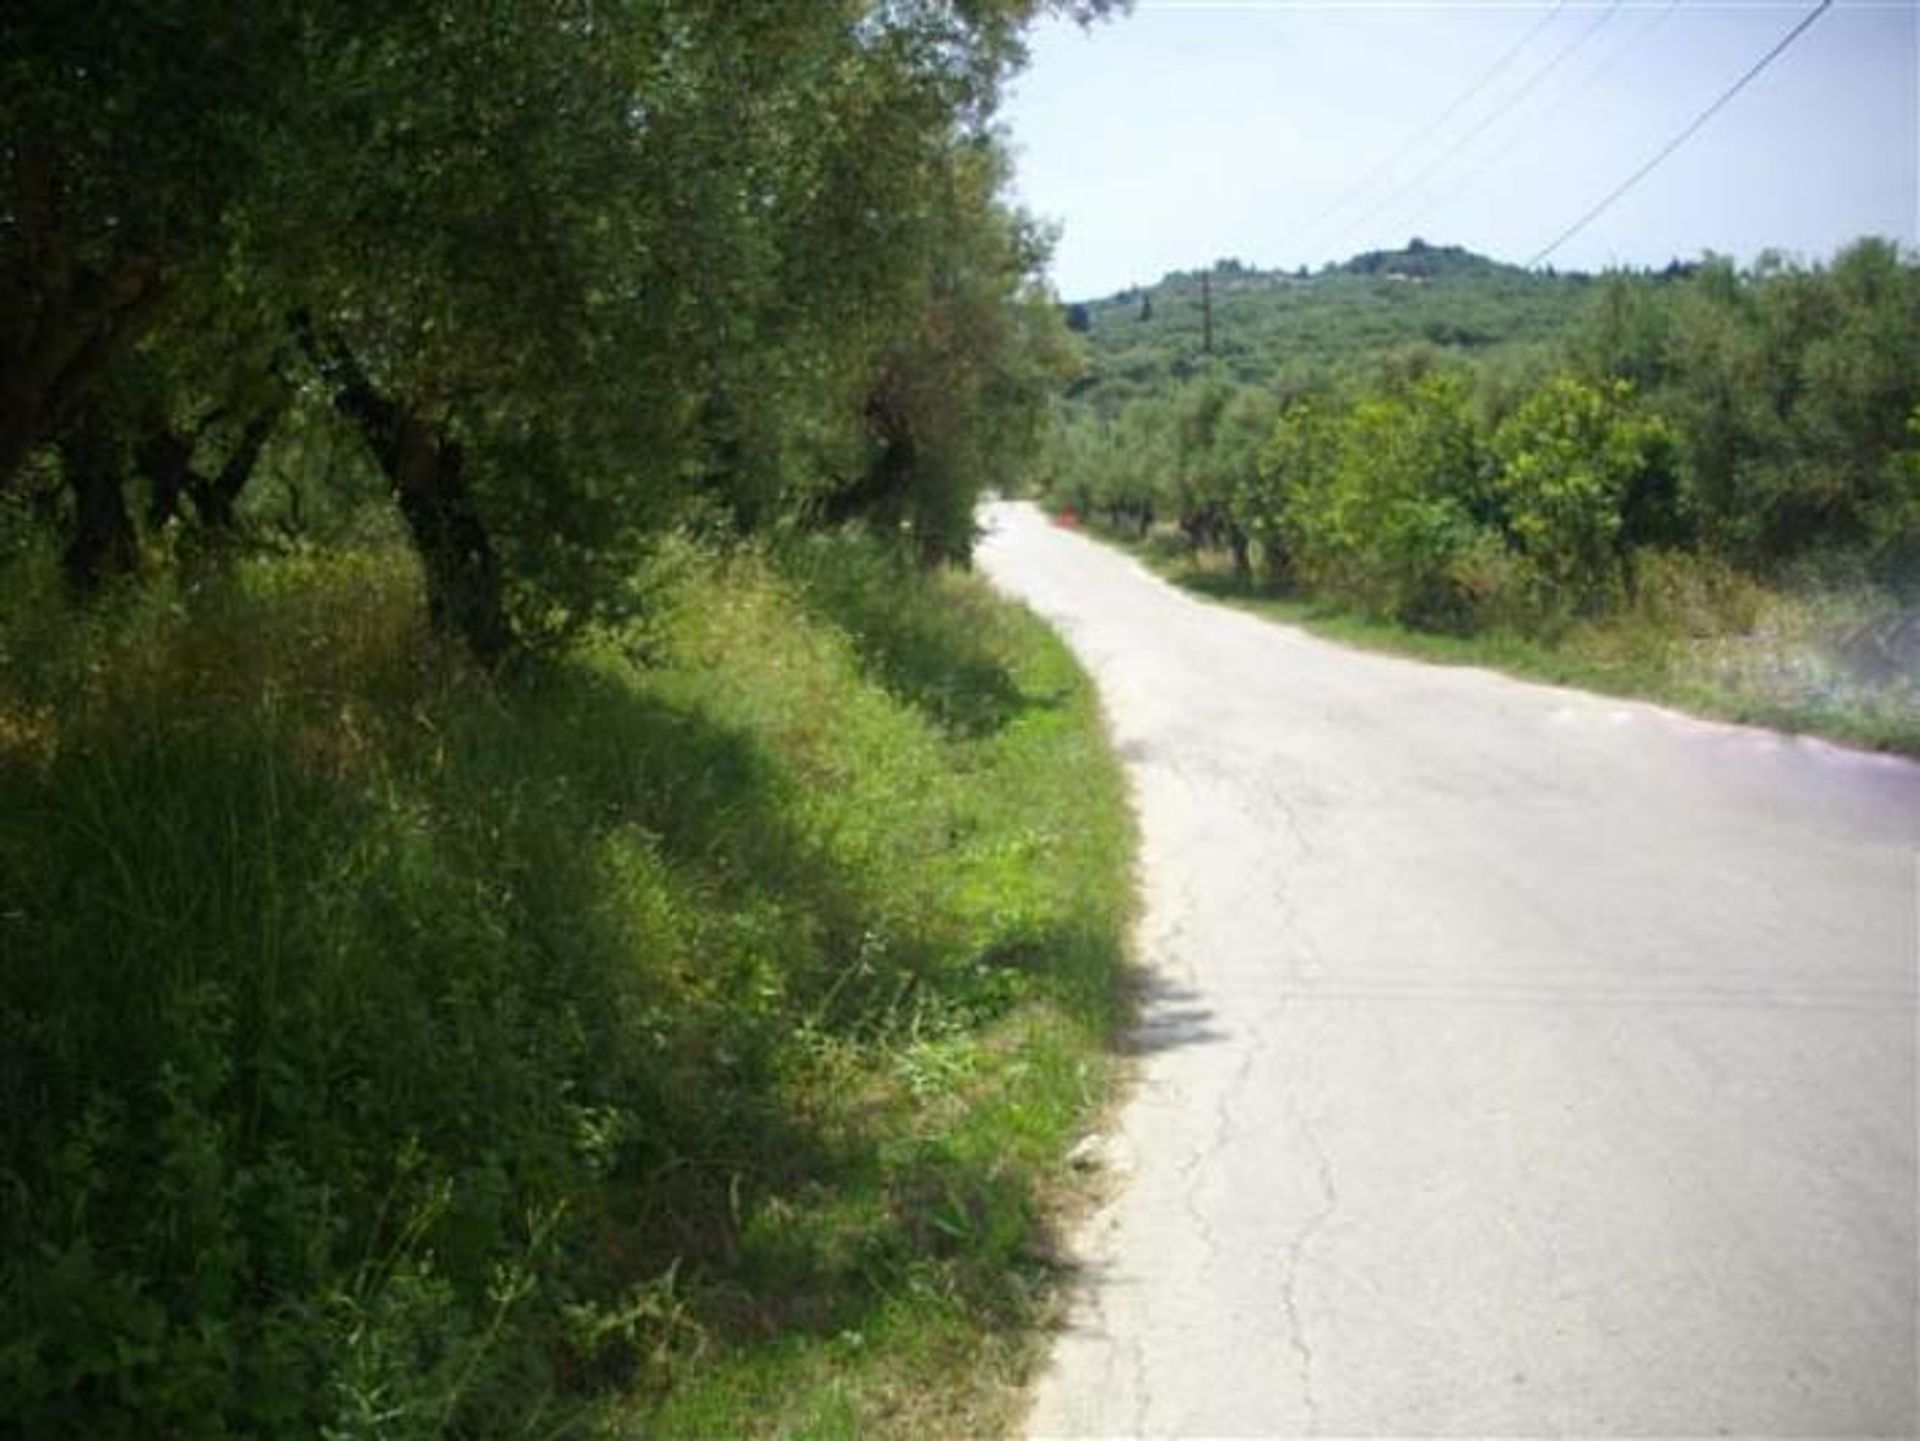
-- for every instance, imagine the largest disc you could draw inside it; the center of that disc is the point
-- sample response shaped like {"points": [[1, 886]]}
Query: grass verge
{"points": [[682, 1041], [1804, 664]]}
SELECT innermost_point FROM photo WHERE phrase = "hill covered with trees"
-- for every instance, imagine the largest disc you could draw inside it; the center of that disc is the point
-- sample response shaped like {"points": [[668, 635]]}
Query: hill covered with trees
{"points": [[1281, 328]]}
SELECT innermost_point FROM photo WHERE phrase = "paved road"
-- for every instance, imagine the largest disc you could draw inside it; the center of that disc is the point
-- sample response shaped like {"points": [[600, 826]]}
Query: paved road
{"points": [[1518, 1062]]}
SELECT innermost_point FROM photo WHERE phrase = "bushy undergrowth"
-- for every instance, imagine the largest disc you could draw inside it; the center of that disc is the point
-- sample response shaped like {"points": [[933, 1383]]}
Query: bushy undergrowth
{"points": [[679, 1038], [1824, 657]]}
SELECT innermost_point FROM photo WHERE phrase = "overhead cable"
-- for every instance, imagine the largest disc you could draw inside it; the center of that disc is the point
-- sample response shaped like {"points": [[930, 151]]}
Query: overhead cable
{"points": [[1542, 134], [1512, 99], [1806, 22], [1425, 131]]}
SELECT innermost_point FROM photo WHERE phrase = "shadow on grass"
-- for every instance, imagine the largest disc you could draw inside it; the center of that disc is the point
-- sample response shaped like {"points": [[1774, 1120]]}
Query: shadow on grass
{"points": [[421, 978], [926, 651], [1218, 584], [1224, 585]]}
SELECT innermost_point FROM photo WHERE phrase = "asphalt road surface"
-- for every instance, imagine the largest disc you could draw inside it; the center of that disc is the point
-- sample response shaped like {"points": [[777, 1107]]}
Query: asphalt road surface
{"points": [[1516, 1062]]}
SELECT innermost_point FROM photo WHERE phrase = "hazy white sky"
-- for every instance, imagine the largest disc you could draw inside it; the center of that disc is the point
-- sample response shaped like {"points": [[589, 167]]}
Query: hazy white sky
{"points": [[1191, 130]]}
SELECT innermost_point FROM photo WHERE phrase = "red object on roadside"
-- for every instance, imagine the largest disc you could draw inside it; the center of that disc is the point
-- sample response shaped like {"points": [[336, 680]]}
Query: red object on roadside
{"points": [[1068, 518]]}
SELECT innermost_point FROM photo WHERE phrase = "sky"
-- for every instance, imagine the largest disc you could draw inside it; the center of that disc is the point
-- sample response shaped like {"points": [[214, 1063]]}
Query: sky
{"points": [[1289, 132]]}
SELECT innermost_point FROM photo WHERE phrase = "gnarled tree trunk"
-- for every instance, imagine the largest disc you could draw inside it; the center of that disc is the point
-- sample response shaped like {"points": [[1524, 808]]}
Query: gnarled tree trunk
{"points": [[426, 469], [58, 346], [101, 543], [216, 496], [165, 457]]}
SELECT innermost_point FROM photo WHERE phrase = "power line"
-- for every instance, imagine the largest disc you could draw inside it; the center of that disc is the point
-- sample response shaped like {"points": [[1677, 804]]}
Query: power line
{"points": [[1512, 99], [1413, 140], [1674, 144], [1540, 135]]}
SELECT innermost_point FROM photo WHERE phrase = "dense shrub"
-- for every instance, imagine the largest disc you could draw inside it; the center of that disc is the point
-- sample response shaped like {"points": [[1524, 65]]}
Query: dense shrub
{"points": [[1580, 478], [1286, 487], [1404, 507], [1789, 390]]}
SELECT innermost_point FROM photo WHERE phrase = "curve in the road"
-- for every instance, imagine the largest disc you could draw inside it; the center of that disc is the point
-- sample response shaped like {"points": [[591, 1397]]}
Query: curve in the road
{"points": [[1517, 1061]]}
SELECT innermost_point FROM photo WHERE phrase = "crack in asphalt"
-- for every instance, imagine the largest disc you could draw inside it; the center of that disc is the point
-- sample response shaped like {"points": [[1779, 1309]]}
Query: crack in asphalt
{"points": [[1193, 1171], [1300, 955], [1142, 1392], [1296, 1253]]}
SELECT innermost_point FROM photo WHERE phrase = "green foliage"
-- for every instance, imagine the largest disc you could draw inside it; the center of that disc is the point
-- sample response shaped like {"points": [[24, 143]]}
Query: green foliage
{"points": [[1572, 463], [400, 1048], [1788, 390], [961, 400], [553, 282], [1282, 333], [1402, 508], [390, 1052], [1701, 484], [1279, 501], [1895, 517], [1757, 420], [1120, 469]]}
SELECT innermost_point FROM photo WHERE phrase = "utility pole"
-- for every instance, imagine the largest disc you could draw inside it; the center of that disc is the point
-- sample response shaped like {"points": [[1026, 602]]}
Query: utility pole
{"points": [[1206, 312]]}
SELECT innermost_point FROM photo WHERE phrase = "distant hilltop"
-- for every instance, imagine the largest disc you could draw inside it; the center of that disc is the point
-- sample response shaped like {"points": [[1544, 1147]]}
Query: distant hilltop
{"points": [[1259, 326], [1417, 260]]}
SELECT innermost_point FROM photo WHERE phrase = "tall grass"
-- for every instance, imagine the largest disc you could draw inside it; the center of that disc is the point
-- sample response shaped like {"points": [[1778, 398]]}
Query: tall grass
{"points": [[682, 1038]]}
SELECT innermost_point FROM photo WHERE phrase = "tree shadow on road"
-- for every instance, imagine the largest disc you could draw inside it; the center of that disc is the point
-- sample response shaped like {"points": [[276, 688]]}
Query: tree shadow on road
{"points": [[1169, 1015]]}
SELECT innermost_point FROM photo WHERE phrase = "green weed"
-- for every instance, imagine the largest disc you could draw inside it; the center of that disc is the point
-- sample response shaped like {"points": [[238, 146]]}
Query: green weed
{"points": [[681, 1039]]}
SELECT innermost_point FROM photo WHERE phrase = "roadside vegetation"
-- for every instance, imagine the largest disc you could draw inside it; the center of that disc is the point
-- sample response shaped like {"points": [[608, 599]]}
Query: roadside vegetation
{"points": [[536, 896], [692, 1028], [1705, 489]]}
